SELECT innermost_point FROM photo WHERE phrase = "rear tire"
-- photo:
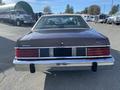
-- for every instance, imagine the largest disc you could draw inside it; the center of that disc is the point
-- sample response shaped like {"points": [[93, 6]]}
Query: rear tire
{"points": [[117, 23]]}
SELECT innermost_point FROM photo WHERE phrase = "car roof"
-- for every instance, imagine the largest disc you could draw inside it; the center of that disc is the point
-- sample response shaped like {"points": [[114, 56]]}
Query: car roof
{"points": [[62, 15]]}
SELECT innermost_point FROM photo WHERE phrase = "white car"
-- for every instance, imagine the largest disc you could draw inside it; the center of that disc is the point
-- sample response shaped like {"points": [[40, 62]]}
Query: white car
{"points": [[116, 19], [110, 20]]}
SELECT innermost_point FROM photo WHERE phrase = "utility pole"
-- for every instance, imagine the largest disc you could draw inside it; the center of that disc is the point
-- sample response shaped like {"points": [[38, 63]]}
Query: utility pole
{"points": [[104, 8], [119, 8], [112, 3]]}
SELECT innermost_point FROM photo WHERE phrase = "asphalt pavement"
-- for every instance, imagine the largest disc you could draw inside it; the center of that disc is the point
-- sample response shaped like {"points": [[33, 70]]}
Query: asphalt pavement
{"points": [[107, 79]]}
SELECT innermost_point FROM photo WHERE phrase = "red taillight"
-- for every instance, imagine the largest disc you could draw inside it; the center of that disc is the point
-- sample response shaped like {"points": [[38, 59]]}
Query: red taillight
{"points": [[98, 51], [26, 52]]}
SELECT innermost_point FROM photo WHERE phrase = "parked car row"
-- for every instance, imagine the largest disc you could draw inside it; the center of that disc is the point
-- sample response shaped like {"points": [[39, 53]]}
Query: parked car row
{"points": [[88, 18], [114, 19], [95, 18], [103, 18]]}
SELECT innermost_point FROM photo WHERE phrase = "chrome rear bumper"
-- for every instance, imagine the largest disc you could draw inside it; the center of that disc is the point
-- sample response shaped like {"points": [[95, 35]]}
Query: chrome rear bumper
{"points": [[43, 66]]}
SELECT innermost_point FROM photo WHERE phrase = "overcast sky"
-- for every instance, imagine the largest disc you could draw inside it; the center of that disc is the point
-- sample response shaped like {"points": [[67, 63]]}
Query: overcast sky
{"points": [[59, 5]]}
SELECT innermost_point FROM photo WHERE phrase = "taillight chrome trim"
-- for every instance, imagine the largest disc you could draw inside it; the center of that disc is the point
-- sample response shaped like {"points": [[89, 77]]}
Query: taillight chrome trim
{"points": [[65, 47], [38, 52], [73, 57], [51, 53], [74, 51]]}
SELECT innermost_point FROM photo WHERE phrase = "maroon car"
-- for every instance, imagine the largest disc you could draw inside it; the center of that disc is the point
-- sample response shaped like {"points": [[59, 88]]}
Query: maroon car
{"points": [[62, 42]]}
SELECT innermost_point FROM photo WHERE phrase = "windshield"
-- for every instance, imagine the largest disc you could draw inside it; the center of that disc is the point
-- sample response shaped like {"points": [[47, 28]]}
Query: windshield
{"points": [[48, 22]]}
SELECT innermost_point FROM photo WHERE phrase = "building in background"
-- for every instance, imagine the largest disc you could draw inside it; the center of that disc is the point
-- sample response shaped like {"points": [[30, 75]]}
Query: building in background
{"points": [[17, 13]]}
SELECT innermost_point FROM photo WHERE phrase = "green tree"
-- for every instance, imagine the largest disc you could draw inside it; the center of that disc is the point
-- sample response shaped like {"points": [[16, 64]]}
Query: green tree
{"points": [[114, 9], [69, 9], [94, 10], [85, 11], [47, 10]]}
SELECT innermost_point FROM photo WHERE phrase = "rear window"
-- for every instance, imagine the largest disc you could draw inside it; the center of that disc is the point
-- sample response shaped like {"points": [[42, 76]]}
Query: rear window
{"points": [[48, 22]]}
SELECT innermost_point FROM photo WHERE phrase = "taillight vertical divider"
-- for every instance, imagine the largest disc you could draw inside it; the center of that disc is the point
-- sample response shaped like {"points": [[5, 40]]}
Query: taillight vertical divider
{"points": [[74, 51], [51, 52], [38, 52], [86, 51], [15, 52]]}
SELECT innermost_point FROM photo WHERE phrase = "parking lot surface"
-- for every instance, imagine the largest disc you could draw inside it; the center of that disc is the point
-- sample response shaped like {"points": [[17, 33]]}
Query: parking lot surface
{"points": [[107, 79]]}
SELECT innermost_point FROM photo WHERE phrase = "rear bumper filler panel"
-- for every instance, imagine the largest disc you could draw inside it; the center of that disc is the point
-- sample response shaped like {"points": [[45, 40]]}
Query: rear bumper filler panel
{"points": [[81, 64]]}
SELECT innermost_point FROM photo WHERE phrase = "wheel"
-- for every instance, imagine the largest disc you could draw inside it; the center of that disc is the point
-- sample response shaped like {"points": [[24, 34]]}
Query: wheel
{"points": [[94, 67], [117, 23]]}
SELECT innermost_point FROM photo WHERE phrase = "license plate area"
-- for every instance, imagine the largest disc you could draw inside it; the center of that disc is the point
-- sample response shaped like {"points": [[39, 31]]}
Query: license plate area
{"points": [[62, 52]]}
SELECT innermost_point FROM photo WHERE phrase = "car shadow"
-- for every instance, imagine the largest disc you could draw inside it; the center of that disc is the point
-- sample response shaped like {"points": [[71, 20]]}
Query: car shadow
{"points": [[6, 53], [83, 80]]}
